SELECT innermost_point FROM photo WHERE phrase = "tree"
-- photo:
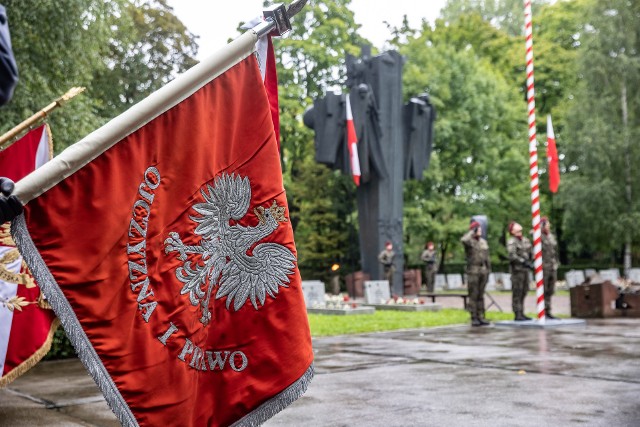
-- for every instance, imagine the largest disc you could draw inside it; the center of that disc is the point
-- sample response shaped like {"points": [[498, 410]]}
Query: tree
{"points": [[601, 213], [506, 15], [154, 46], [479, 164], [312, 60], [321, 201], [119, 50]]}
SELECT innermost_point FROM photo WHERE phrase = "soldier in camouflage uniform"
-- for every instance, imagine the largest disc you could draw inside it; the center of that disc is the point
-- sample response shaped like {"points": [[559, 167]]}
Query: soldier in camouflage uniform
{"points": [[478, 269], [386, 259], [428, 256], [549, 264], [520, 262]]}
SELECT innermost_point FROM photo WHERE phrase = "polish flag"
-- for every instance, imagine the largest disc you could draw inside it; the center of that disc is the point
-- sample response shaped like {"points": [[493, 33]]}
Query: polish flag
{"points": [[352, 141], [27, 322], [552, 158]]}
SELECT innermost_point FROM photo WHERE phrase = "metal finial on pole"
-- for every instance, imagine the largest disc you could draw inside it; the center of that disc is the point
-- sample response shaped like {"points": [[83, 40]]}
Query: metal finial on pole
{"points": [[12, 136], [277, 18]]}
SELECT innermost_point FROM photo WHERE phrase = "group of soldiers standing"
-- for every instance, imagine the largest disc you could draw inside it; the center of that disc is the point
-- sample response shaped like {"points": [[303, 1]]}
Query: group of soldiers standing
{"points": [[520, 256]]}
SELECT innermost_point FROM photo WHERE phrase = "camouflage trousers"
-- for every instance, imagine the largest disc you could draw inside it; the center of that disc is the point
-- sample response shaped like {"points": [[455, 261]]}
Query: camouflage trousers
{"points": [[476, 282], [549, 277], [388, 274], [519, 287], [430, 278]]}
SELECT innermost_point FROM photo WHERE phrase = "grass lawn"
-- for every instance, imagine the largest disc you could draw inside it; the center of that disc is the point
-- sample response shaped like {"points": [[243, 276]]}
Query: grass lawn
{"points": [[387, 320]]}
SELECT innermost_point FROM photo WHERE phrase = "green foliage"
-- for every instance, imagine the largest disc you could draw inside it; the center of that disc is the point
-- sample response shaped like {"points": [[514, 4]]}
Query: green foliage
{"points": [[61, 347], [387, 320], [321, 202], [479, 163], [153, 47], [119, 50], [600, 211], [326, 222], [310, 60], [506, 15]]}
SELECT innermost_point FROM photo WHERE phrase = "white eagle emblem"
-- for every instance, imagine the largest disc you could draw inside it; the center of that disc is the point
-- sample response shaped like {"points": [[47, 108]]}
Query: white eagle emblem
{"points": [[223, 256]]}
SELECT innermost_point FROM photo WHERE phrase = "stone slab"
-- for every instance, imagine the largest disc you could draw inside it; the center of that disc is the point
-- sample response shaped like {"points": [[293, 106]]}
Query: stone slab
{"points": [[454, 281], [634, 275], [441, 281], [407, 307], [376, 291], [491, 282], [610, 274], [504, 281], [313, 291], [342, 312], [574, 278]]}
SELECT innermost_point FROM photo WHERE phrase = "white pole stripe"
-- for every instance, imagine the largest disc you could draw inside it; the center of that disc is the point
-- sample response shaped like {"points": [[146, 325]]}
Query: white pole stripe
{"points": [[533, 162]]}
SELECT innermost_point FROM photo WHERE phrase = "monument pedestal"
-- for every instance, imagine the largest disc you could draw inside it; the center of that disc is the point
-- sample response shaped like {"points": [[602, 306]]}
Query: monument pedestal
{"points": [[594, 301], [355, 283], [412, 281]]}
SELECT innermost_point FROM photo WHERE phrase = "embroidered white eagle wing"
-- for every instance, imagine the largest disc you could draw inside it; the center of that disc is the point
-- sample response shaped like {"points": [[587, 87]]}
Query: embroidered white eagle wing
{"points": [[254, 277], [228, 198]]}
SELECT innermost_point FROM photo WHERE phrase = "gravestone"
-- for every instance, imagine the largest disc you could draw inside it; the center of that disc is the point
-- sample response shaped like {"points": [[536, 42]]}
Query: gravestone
{"points": [[491, 282], [376, 291], [313, 291], [505, 279], [454, 281], [589, 273], [412, 281], [441, 282], [634, 275], [610, 274], [574, 278]]}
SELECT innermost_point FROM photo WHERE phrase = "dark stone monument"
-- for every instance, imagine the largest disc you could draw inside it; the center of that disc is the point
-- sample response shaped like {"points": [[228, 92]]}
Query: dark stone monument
{"points": [[394, 144]]}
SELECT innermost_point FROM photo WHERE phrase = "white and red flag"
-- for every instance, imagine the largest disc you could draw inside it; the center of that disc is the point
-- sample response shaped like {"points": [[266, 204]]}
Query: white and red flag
{"points": [[27, 323], [352, 143], [162, 240], [552, 158]]}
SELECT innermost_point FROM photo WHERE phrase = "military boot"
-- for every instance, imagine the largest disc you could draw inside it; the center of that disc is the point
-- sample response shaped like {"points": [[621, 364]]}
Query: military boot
{"points": [[521, 317]]}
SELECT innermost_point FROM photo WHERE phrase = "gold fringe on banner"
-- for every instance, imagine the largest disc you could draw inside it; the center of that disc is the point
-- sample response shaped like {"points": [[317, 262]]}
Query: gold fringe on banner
{"points": [[31, 361]]}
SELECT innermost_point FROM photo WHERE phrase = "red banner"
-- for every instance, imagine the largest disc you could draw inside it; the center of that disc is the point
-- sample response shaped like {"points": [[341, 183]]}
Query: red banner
{"points": [[174, 257], [27, 323]]}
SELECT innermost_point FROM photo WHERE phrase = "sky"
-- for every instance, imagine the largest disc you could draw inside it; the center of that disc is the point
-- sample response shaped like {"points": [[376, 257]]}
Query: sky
{"points": [[215, 21]]}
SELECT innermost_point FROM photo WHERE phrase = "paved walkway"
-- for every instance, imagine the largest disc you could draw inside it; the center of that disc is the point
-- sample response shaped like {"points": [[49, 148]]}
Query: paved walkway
{"points": [[451, 376]]}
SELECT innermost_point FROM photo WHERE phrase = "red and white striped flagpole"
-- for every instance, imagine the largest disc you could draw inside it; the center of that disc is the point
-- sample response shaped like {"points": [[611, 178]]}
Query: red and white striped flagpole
{"points": [[533, 162]]}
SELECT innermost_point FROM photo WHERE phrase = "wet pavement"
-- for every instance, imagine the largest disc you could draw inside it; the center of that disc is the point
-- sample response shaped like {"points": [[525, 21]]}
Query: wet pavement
{"points": [[449, 376]]}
